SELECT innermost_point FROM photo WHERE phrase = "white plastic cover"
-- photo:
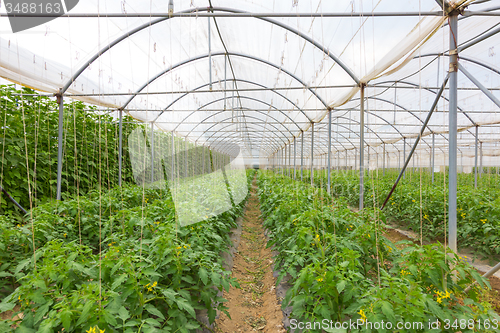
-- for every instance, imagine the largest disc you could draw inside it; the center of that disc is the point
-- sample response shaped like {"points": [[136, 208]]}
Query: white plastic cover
{"points": [[268, 82]]}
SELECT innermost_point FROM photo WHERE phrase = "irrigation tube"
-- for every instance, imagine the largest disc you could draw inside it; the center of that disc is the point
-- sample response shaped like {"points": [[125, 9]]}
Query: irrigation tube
{"points": [[401, 172], [486, 275], [13, 200]]}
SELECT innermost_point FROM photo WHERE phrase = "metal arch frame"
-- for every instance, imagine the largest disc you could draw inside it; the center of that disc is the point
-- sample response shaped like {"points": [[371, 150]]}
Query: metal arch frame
{"points": [[276, 146], [339, 142], [238, 108], [221, 146], [432, 91], [325, 50], [497, 71], [256, 124], [230, 135], [238, 80], [262, 112], [242, 108], [234, 54], [381, 118], [399, 106], [355, 133], [269, 150], [307, 150], [220, 122]]}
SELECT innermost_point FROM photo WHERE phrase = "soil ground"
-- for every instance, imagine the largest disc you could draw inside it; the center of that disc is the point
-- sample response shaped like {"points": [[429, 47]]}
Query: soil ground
{"points": [[254, 307]]}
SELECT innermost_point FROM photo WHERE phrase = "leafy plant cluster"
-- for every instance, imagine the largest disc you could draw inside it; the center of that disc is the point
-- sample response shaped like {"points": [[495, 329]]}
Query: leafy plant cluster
{"points": [[113, 262], [478, 209], [342, 268], [29, 146]]}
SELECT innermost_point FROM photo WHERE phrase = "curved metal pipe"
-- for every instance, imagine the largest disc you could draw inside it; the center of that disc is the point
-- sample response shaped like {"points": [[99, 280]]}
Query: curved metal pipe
{"points": [[195, 10]]}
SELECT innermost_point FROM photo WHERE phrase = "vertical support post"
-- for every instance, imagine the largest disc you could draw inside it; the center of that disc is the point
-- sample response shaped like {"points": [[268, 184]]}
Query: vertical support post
{"points": [[475, 157], [225, 81], [302, 158], [172, 162], [186, 156], [355, 158], [312, 154], [209, 56], [413, 170], [60, 100], [203, 158], [480, 160], [399, 159], [433, 156], [461, 161], [452, 176], [285, 160], [282, 162], [290, 159], [404, 155], [329, 150], [120, 147], [294, 158], [368, 159], [362, 147], [152, 153], [278, 161], [383, 161]]}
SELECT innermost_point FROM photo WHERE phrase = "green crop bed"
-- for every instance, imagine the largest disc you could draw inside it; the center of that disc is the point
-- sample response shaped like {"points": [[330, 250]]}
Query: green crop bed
{"points": [[478, 209], [342, 268], [113, 261]]}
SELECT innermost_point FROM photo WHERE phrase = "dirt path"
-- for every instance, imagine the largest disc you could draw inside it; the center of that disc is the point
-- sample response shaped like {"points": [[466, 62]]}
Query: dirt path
{"points": [[254, 307]]}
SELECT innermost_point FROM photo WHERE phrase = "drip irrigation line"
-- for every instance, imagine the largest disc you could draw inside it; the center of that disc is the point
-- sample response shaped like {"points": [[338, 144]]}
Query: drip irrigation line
{"points": [[424, 126], [4, 191]]}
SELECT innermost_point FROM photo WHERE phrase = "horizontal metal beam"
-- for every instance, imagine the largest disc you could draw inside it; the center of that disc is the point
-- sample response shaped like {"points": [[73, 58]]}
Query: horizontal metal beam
{"points": [[236, 15], [174, 92]]}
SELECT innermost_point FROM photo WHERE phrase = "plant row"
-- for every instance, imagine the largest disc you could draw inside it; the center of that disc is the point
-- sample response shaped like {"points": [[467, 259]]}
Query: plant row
{"points": [[342, 268], [113, 262], [29, 145], [422, 206]]}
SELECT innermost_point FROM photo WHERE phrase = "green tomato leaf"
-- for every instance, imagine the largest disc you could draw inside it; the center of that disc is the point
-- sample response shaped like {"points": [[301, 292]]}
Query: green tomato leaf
{"points": [[123, 314], [154, 311]]}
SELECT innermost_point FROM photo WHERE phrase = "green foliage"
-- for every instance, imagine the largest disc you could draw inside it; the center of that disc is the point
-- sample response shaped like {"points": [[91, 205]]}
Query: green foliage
{"points": [[341, 267], [116, 261], [29, 132], [478, 210]]}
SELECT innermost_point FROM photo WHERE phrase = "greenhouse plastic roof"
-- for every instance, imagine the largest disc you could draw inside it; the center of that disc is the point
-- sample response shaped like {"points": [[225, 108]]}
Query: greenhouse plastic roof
{"points": [[261, 80]]}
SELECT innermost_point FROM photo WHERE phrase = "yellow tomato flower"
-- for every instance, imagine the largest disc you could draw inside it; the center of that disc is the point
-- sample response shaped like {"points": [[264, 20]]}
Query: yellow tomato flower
{"points": [[362, 314]]}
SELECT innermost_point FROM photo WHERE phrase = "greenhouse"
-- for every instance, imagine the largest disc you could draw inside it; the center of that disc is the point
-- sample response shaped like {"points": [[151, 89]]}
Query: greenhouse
{"points": [[238, 166]]}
